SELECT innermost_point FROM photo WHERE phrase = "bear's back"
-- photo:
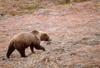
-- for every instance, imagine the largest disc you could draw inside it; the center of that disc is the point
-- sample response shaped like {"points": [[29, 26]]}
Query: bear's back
{"points": [[26, 38]]}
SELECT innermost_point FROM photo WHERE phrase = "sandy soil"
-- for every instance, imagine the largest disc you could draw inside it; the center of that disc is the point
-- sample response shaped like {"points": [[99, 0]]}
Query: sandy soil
{"points": [[75, 34]]}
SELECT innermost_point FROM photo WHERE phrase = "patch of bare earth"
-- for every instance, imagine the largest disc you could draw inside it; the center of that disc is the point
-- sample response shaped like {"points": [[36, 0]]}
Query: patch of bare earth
{"points": [[75, 33]]}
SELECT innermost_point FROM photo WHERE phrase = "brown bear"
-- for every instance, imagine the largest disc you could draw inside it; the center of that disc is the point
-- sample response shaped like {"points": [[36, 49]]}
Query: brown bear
{"points": [[27, 39]]}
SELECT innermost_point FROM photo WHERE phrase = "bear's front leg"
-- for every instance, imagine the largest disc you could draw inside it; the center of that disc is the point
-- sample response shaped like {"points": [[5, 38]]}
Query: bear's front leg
{"points": [[32, 48]]}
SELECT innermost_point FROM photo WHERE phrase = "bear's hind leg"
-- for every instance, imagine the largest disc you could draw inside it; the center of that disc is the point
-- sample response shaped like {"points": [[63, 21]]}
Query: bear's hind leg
{"points": [[10, 50], [22, 52]]}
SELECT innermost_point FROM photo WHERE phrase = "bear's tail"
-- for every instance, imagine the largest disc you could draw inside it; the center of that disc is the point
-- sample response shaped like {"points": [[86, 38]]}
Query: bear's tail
{"points": [[10, 49]]}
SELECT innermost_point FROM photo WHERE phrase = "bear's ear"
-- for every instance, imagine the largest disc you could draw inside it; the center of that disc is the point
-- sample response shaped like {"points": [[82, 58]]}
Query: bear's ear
{"points": [[35, 32]]}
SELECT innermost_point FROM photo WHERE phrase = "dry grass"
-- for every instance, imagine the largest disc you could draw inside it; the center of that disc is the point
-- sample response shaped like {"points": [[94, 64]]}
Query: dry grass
{"points": [[19, 7]]}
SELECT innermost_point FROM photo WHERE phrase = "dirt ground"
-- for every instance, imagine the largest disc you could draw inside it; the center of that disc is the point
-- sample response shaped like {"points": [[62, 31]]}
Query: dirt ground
{"points": [[75, 34]]}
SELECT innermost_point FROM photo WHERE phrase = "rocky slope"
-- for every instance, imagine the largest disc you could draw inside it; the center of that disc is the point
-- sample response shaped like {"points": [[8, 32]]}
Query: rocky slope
{"points": [[75, 33]]}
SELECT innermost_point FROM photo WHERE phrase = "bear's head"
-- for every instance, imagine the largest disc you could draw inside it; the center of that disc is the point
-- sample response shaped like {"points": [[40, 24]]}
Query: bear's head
{"points": [[43, 36]]}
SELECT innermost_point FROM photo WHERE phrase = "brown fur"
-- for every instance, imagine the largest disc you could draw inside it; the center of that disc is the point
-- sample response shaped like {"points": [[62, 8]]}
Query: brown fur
{"points": [[44, 37], [35, 32], [23, 40]]}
